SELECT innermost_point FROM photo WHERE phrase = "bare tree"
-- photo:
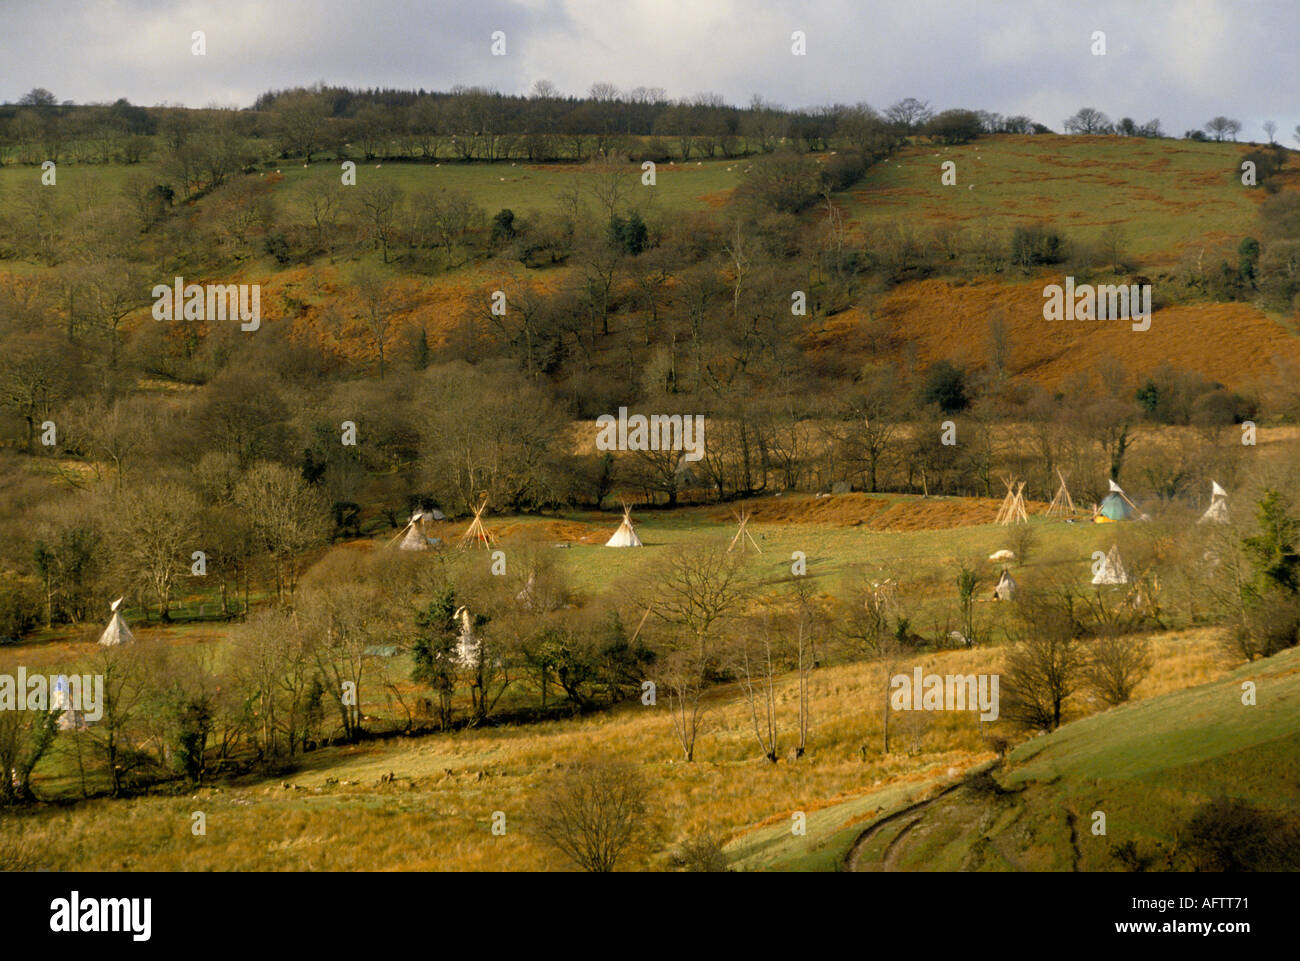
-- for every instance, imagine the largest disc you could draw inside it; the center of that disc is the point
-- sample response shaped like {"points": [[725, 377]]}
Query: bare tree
{"points": [[1116, 665], [596, 813], [287, 516], [159, 526], [118, 433], [323, 200], [909, 114], [610, 187], [1223, 127], [1046, 662], [125, 671], [379, 300], [1113, 242], [703, 852], [341, 621], [299, 118], [379, 204], [758, 667], [868, 626], [447, 216], [697, 591], [1088, 121]]}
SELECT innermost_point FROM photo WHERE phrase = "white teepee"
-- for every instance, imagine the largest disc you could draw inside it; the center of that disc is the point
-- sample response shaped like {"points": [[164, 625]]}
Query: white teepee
{"points": [[71, 719], [525, 596], [469, 649], [117, 632], [625, 536], [412, 536], [1007, 587], [1111, 570], [1217, 512]]}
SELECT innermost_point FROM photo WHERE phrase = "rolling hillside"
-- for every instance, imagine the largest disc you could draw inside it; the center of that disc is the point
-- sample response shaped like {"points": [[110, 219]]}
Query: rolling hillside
{"points": [[427, 803], [1145, 765]]}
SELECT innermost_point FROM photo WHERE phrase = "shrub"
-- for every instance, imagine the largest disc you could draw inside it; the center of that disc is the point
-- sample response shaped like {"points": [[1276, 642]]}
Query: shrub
{"points": [[503, 226], [787, 182], [277, 245], [1272, 624], [1267, 160], [955, 126], [1231, 835], [1036, 245], [629, 235], [945, 386], [1116, 665], [20, 610], [843, 170], [702, 852], [595, 813]]}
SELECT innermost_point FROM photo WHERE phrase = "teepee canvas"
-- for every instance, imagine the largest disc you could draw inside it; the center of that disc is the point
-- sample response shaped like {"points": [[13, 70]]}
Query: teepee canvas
{"points": [[1217, 513], [1111, 569], [117, 632], [71, 719], [469, 649], [1116, 507], [625, 536], [1007, 587], [412, 537]]}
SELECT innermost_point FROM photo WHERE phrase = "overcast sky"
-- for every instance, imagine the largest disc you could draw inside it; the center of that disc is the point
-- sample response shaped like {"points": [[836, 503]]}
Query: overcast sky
{"points": [[1183, 61]]}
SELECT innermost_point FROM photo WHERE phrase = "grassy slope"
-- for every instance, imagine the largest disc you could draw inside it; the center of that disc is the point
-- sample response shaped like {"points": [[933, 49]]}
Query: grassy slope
{"points": [[522, 187], [1145, 765], [1167, 193], [1173, 197], [436, 813]]}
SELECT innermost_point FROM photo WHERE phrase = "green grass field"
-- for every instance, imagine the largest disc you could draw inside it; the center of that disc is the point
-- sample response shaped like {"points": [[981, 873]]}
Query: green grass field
{"points": [[1144, 765], [1166, 193], [520, 187]]}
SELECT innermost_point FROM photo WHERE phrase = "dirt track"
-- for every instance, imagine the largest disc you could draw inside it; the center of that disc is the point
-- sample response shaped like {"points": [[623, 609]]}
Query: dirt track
{"points": [[851, 860]]}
